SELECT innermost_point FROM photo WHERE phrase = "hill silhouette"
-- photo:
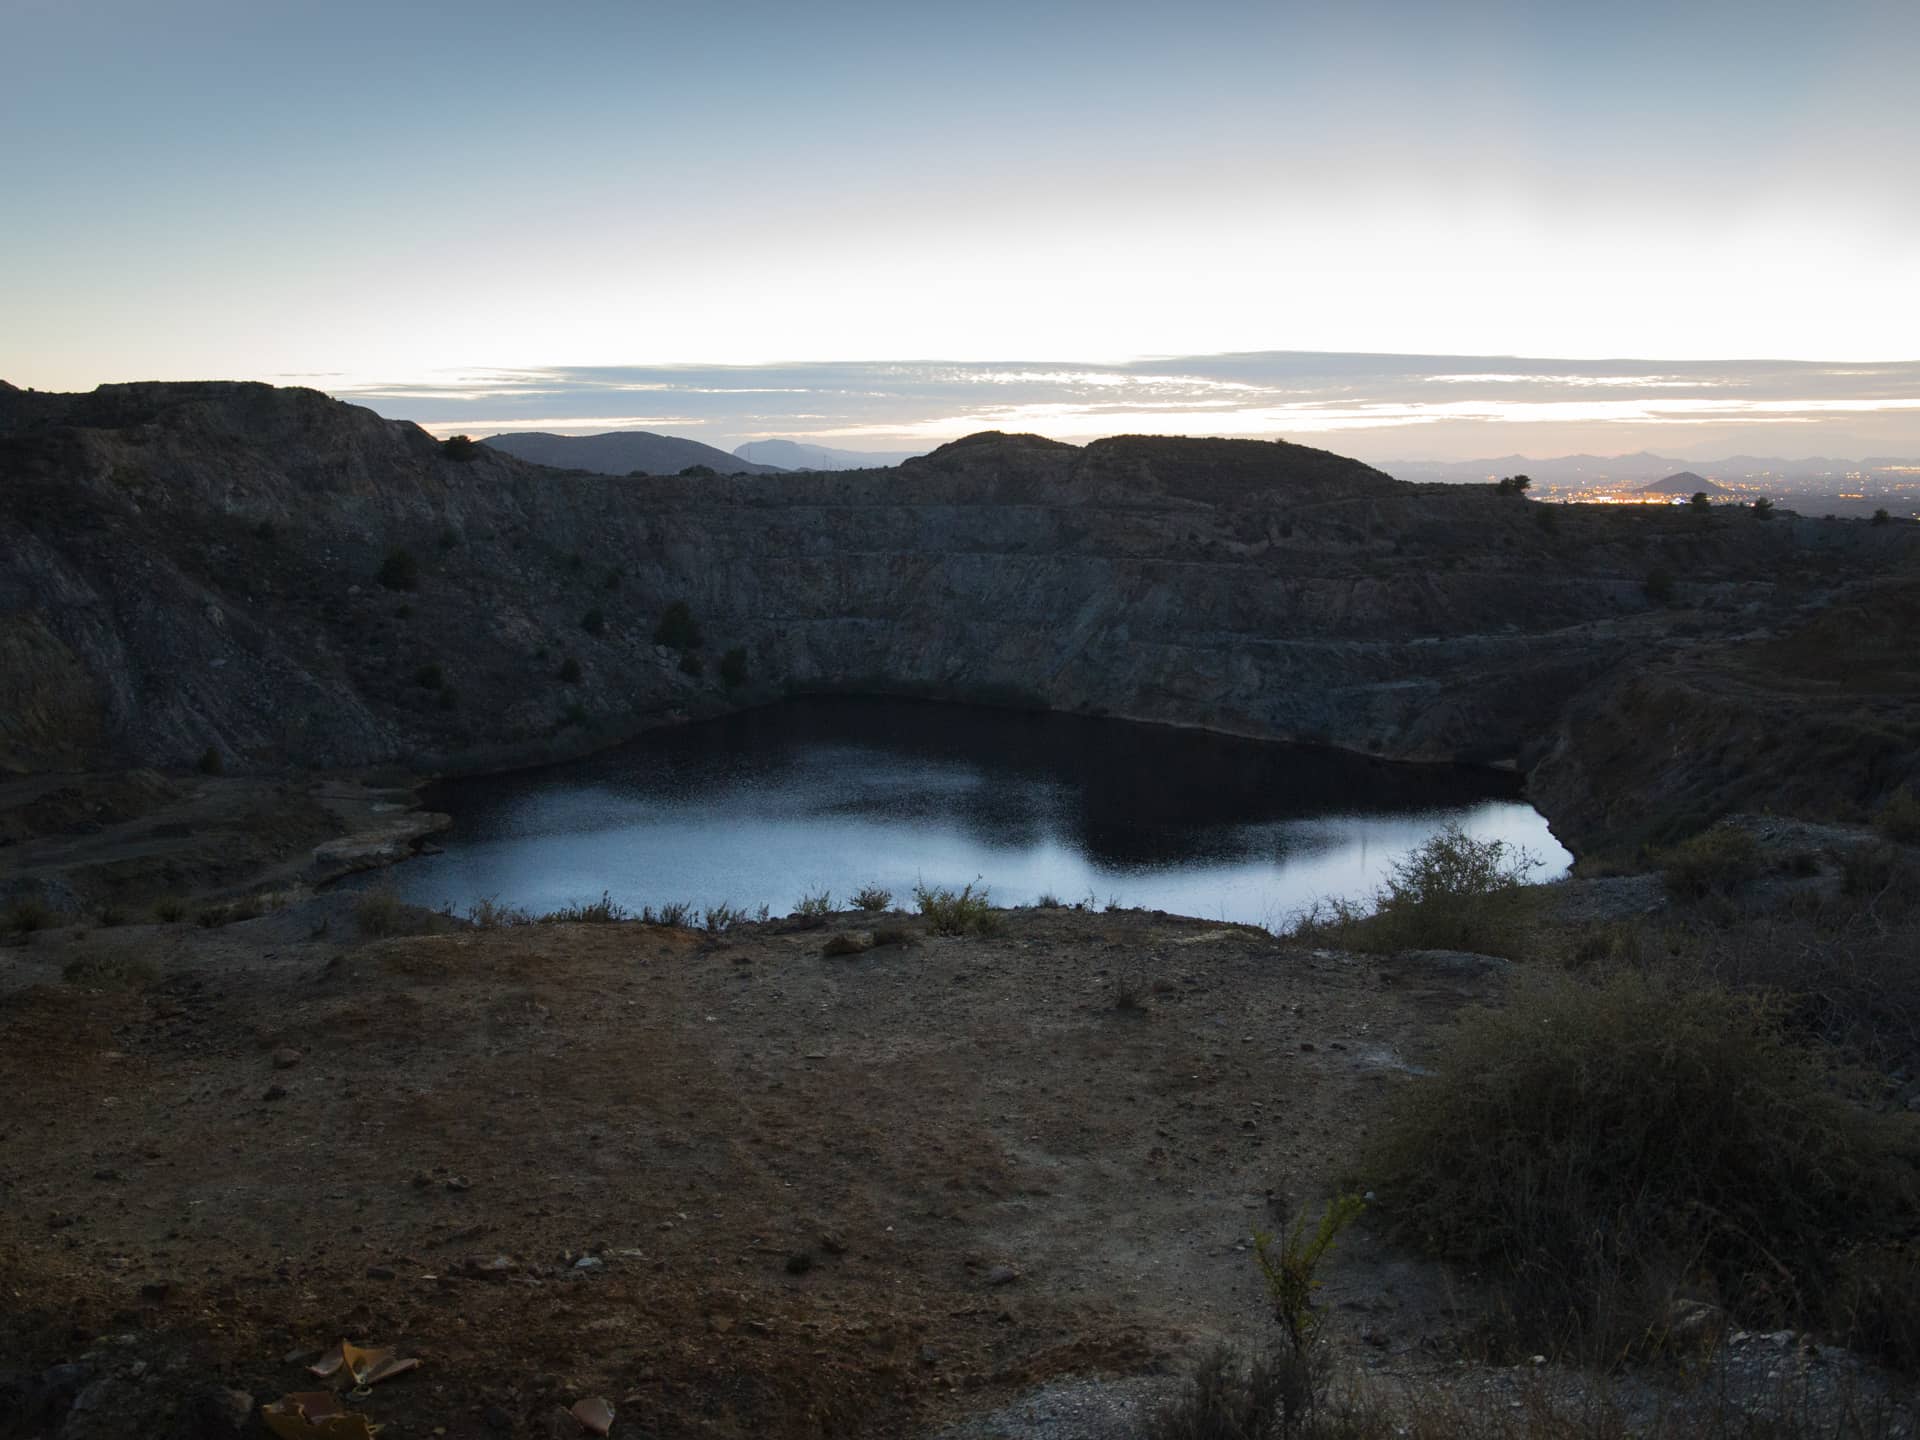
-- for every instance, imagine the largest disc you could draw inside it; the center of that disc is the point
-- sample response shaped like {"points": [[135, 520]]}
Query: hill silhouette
{"points": [[622, 452]]}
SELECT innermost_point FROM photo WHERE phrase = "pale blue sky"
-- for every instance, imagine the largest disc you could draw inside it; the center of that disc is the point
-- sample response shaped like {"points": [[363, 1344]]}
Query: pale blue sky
{"points": [[384, 194]]}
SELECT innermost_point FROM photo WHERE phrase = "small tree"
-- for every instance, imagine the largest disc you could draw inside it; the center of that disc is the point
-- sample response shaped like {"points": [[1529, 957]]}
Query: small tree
{"points": [[1701, 505], [699, 472], [1763, 509], [733, 667], [1881, 517], [460, 447], [400, 571], [677, 627], [1514, 485]]}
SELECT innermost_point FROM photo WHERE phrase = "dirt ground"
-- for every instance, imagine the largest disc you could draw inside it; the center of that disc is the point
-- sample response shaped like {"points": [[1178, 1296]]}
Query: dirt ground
{"points": [[734, 1185]]}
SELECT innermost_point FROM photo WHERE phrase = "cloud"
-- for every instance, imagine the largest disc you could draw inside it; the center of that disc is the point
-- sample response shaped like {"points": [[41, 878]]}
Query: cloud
{"points": [[1464, 405]]}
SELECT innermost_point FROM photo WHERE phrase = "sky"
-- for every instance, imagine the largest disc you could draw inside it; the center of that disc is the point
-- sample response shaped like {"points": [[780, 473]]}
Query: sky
{"points": [[388, 200]]}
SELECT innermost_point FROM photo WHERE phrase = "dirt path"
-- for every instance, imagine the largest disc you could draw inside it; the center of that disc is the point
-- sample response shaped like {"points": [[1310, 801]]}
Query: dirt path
{"points": [[878, 1191]]}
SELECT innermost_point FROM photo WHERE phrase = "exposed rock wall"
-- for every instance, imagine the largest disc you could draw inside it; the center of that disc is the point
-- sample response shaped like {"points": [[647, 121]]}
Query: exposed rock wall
{"points": [[187, 566]]}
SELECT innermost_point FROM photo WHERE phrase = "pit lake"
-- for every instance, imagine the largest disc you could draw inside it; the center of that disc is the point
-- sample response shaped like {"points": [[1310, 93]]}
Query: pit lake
{"points": [[832, 794]]}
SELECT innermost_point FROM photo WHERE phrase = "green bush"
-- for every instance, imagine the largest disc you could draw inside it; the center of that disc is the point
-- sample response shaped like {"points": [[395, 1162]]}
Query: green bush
{"points": [[1721, 861], [733, 668], [965, 911], [460, 447], [1596, 1144], [490, 914], [1452, 893], [677, 627], [399, 570], [814, 907], [1899, 818], [872, 897]]}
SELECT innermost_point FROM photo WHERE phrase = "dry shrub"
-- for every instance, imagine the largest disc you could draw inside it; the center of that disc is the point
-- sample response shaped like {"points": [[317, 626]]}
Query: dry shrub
{"points": [[844, 944], [604, 911], [1721, 861], [894, 935], [1899, 818], [110, 972], [26, 914], [1592, 1143], [872, 897]]}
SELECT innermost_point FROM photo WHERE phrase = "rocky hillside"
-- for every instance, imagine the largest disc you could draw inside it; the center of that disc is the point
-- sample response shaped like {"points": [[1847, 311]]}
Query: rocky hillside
{"points": [[275, 578]]}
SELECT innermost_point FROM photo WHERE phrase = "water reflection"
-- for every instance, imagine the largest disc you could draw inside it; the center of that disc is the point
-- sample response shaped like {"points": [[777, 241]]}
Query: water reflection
{"points": [[761, 807]]}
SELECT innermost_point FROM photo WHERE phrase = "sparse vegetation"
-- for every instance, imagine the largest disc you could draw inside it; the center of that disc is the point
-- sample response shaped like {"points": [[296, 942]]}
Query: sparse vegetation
{"points": [[1899, 818], [380, 912], [1721, 861], [110, 972], [490, 914], [814, 907], [894, 935], [111, 915], [846, 944], [460, 447], [399, 570], [1602, 1145], [722, 916], [25, 914], [675, 914], [1048, 901], [872, 897], [965, 911], [604, 911], [170, 910], [677, 628], [1129, 994], [247, 907]]}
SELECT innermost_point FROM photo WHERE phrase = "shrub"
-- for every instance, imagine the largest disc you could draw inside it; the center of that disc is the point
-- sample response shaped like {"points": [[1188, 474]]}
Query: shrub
{"points": [[844, 944], [170, 910], [111, 915], [210, 761], [247, 907], [894, 935], [1763, 509], [611, 580], [489, 914], [26, 914], [1659, 585], [1130, 995], [399, 570], [1720, 861], [814, 907], [430, 676], [594, 622], [1899, 818], [1452, 893], [956, 912], [677, 627], [569, 671], [677, 914], [722, 916], [604, 911], [733, 668], [872, 897], [449, 539], [110, 972], [1048, 901], [379, 912], [1596, 1143], [690, 664], [460, 447], [1290, 1268], [1700, 503], [699, 472], [574, 714]]}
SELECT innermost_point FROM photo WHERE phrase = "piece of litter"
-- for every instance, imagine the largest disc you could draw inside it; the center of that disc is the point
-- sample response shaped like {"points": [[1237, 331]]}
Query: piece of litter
{"points": [[595, 1414], [364, 1367], [315, 1415]]}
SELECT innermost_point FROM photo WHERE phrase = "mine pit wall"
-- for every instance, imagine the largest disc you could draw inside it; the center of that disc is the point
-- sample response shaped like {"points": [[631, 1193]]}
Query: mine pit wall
{"points": [[186, 567]]}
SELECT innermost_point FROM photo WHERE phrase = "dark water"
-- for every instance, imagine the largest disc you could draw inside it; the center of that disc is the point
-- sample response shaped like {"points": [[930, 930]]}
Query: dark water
{"points": [[763, 807]]}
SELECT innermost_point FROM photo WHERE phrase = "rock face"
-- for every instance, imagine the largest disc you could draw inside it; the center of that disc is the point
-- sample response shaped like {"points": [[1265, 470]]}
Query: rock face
{"points": [[278, 578]]}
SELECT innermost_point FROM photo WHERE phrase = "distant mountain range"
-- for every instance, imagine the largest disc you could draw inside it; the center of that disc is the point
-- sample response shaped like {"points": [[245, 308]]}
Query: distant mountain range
{"points": [[622, 452], [794, 455], [1685, 483], [1638, 469]]}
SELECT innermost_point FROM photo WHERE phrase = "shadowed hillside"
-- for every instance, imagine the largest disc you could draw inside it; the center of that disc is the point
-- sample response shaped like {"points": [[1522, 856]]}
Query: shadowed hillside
{"points": [[271, 577]]}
